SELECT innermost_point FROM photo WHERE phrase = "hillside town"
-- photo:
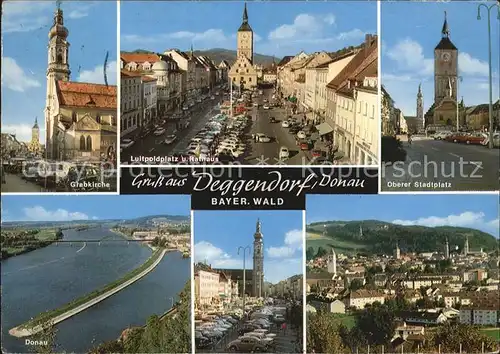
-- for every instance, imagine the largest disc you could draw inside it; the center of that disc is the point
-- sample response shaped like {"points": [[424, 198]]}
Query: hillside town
{"points": [[79, 151], [314, 108], [420, 294], [175, 236], [445, 129]]}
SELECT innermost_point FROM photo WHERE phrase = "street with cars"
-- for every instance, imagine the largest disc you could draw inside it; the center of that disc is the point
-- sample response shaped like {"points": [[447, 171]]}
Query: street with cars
{"points": [[445, 161], [262, 327]]}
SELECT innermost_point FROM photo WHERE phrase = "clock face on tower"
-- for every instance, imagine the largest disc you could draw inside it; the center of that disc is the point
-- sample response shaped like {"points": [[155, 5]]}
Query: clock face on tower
{"points": [[446, 57], [244, 36]]}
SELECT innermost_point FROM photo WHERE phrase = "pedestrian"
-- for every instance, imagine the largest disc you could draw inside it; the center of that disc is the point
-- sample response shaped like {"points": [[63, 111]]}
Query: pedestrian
{"points": [[283, 328]]}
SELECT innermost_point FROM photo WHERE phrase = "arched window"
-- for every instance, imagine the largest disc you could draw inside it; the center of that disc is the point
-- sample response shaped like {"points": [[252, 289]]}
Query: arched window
{"points": [[98, 118], [59, 58], [89, 143], [82, 143], [73, 117]]}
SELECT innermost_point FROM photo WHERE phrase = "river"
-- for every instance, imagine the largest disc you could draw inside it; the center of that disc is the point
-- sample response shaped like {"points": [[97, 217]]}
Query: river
{"points": [[49, 277]]}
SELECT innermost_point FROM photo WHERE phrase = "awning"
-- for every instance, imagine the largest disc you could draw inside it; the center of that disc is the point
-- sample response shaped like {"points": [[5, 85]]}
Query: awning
{"points": [[324, 128]]}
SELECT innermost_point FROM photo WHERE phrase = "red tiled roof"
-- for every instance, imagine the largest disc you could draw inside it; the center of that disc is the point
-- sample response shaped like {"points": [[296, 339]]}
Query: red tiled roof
{"points": [[81, 94], [148, 78], [359, 63], [139, 57], [130, 73]]}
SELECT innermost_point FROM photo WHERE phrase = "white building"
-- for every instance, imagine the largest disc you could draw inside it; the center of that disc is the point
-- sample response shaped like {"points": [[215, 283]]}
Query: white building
{"points": [[360, 298], [480, 314], [131, 101], [149, 97], [207, 286]]}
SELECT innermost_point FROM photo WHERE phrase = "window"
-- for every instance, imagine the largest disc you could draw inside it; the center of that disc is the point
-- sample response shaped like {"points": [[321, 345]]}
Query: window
{"points": [[366, 109], [89, 143], [82, 143], [98, 118], [73, 117]]}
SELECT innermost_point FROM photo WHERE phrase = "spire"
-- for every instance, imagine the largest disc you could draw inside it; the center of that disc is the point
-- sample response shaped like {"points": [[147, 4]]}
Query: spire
{"points": [[35, 126], [58, 28], [419, 90], [245, 14], [257, 227], [445, 31], [191, 52]]}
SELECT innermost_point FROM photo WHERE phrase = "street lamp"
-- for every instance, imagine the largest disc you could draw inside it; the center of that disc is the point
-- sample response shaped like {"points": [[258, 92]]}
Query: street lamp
{"points": [[457, 80], [244, 249], [488, 10]]}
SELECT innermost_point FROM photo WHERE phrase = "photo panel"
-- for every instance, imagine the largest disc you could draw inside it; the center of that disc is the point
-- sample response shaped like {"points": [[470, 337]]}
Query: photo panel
{"points": [[59, 95], [403, 274], [96, 276], [248, 281], [275, 83], [440, 96]]}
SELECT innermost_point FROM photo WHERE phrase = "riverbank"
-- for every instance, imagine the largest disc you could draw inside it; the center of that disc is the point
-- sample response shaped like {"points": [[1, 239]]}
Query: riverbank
{"points": [[32, 242], [128, 237], [60, 314]]}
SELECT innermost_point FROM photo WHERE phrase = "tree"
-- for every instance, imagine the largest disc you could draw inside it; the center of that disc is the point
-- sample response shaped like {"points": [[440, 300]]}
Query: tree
{"points": [[309, 253], [109, 347], [356, 284], [321, 252], [323, 334], [377, 324], [47, 338], [451, 335]]}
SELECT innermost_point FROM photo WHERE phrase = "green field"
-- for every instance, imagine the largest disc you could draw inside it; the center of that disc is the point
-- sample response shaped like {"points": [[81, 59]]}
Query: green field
{"points": [[347, 320], [493, 333], [44, 237], [316, 240]]}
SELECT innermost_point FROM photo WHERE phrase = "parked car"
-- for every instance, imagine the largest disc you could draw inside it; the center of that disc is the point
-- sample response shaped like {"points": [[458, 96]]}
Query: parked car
{"points": [[159, 131], [475, 139], [301, 135], [284, 153], [456, 137], [126, 143], [169, 139], [304, 145], [247, 345], [272, 120], [266, 107], [285, 124], [441, 135], [317, 153], [262, 138]]}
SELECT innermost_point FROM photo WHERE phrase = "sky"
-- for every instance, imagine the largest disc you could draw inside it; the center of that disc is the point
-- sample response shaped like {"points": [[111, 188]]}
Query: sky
{"points": [[218, 234], [464, 210], [93, 207], [25, 28], [280, 28], [410, 31]]}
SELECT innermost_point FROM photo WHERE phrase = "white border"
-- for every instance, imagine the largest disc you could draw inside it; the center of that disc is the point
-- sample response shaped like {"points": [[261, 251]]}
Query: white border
{"points": [[193, 344], [304, 283], [379, 89], [118, 97]]}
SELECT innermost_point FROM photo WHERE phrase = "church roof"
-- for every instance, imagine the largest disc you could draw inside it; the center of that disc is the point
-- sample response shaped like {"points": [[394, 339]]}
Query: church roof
{"points": [[245, 27], [139, 57], [446, 44], [81, 94], [285, 60]]}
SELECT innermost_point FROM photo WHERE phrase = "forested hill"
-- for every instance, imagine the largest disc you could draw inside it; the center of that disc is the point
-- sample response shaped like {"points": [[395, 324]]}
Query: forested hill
{"points": [[379, 237]]}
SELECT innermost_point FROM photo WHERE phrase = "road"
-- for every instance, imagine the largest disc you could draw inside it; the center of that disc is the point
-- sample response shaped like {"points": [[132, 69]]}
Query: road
{"points": [[25, 332], [268, 153], [150, 145], [443, 166], [14, 183]]}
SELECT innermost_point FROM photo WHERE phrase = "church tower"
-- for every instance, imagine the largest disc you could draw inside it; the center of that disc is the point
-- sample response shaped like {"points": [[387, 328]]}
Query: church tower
{"points": [[245, 38], [447, 250], [466, 246], [332, 263], [34, 145], [258, 262], [420, 107], [445, 66], [397, 252], [58, 69]]}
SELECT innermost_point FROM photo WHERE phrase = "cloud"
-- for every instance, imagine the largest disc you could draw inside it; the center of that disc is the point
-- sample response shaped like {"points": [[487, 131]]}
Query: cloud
{"points": [[78, 13], [409, 56], [208, 253], [303, 26], [39, 213], [14, 77], [292, 243], [466, 219], [24, 16], [276, 270], [351, 35], [96, 75], [23, 131], [471, 66]]}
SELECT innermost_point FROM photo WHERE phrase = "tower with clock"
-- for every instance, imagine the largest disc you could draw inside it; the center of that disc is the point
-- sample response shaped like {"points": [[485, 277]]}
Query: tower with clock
{"points": [[245, 38], [258, 262], [445, 66]]}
